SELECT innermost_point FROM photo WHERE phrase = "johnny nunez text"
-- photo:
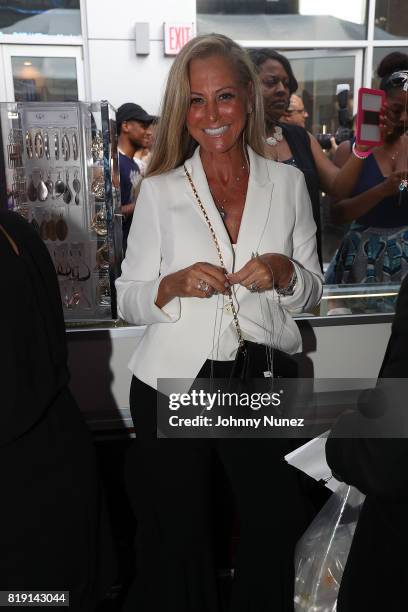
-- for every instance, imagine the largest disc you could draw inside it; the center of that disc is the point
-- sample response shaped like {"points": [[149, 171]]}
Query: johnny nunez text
{"points": [[253, 423]]}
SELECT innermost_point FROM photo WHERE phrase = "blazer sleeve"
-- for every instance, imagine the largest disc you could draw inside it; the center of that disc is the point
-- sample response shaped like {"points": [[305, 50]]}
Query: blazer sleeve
{"points": [[139, 282], [309, 286]]}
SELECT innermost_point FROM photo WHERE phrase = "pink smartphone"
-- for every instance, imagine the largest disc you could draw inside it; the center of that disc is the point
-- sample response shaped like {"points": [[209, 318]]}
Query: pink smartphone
{"points": [[368, 130]]}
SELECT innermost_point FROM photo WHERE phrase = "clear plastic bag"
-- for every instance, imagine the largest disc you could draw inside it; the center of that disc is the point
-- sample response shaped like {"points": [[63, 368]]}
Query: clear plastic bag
{"points": [[322, 551]]}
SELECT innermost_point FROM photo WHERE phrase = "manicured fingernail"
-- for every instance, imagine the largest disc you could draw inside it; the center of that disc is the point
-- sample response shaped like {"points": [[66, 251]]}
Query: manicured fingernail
{"points": [[227, 285]]}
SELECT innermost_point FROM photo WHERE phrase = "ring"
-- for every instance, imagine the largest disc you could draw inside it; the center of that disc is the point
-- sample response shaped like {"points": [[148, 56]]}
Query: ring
{"points": [[203, 286], [253, 287]]}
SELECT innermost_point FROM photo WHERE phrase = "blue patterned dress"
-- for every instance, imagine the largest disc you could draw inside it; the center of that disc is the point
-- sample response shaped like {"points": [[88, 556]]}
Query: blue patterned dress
{"points": [[375, 249]]}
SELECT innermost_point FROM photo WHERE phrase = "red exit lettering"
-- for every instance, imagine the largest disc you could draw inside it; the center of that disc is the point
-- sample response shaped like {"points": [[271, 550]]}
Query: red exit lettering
{"points": [[178, 36]]}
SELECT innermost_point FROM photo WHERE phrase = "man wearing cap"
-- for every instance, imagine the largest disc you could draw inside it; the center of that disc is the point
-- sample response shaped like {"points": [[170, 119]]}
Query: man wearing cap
{"points": [[133, 124]]}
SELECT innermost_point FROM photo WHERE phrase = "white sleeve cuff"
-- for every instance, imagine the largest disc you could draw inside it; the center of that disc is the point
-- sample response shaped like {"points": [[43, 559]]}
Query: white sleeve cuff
{"points": [[136, 303], [307, 291], [171, 312]]}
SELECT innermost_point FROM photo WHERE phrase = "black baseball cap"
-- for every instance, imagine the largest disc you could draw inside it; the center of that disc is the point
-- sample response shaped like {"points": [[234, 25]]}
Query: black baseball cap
{"points": [[129, 111]]}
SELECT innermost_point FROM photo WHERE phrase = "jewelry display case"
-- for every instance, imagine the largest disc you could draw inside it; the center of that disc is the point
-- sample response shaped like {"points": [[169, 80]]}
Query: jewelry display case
{"points": [[62, 175]]}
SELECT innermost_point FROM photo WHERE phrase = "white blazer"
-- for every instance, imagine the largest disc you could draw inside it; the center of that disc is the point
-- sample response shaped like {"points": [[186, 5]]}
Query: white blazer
{"points": [[169, 233]]}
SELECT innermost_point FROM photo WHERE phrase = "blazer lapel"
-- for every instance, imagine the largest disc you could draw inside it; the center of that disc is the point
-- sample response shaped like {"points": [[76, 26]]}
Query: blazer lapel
{"points": [[196, 170], [256, 212]]}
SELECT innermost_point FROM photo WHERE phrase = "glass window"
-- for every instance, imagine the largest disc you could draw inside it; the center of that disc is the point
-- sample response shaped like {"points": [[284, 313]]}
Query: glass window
{"points": [[391, 19], [318, 78], [40, 17], [44, 79], [283, 19], [378, 54]]}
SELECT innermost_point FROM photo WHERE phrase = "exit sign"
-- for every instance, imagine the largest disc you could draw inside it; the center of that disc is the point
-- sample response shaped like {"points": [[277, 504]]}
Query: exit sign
{"points": [[176, 35]]}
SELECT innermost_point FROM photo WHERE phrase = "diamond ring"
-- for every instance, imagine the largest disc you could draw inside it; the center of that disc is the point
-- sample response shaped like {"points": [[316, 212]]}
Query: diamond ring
{"points": [[253, 287], [203, 286]]}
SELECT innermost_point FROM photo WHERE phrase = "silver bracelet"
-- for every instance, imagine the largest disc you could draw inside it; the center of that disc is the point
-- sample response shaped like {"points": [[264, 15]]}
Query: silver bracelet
{"points": [[290, 289]]}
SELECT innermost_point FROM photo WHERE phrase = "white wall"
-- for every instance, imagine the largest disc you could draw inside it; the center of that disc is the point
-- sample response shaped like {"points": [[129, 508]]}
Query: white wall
{"points": [[116, 72]]}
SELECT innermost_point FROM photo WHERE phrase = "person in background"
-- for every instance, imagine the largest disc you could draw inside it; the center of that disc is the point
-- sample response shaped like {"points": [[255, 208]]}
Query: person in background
{"points": [[375, 577], [54, 531], [292, 144], [133, 126], [375, 249], [142, 156], [296, 113]]}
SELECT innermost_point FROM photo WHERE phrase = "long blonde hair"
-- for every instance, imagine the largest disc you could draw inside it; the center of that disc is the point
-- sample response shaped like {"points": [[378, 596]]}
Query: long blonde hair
{"points": [[173, 144]]}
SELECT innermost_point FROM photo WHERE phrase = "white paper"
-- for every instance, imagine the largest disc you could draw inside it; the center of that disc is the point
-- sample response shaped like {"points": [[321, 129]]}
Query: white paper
{"points": [[311, 459]]}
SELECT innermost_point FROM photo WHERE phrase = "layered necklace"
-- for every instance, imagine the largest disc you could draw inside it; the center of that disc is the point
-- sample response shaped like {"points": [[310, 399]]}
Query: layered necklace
{"points": [[221, 202], [274, 139]]}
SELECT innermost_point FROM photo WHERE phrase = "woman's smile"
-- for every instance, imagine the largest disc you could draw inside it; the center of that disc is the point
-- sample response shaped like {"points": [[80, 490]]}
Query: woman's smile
{"points": [[218, 131]]}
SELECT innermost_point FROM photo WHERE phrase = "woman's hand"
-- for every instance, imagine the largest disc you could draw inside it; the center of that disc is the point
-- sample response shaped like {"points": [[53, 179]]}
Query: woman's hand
{"points": [[387, 124], [200, 280], [263, 272], [389, 121]]}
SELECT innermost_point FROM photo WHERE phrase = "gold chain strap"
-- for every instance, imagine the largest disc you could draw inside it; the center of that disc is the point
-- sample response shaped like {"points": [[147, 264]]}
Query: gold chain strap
{"points": [[217, 246]]}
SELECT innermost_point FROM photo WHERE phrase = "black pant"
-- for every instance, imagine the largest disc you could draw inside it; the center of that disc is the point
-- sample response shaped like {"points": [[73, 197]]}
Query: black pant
{"points": [[170, 486]]}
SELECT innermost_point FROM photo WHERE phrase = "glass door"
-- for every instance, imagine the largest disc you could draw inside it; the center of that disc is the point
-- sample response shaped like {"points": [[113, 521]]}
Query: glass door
{"points": [[318, 73], [43, 73]]}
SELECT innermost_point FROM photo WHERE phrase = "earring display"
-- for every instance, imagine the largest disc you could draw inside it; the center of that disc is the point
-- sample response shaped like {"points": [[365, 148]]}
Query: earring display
{"points": [[38, 145], [103, 294], [50, 186], [98, 188], [47, 146], [74, 147], [14, 149], [58, 178], [18, 190], [31, 190], [102, 257], [97, 146], [67, 195], [42, 191], [99, 222], [59, 186], [29, 144], [77, 188], [56, 146], [61, 228], [65, 148]]}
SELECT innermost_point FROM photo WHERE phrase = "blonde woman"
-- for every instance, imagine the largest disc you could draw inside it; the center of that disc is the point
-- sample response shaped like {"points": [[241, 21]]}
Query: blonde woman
{"points": [[218, 231]]}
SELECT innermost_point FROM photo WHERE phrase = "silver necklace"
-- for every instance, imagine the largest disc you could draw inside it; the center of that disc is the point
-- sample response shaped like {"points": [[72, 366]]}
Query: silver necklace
{"points": [[220, 204]]}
